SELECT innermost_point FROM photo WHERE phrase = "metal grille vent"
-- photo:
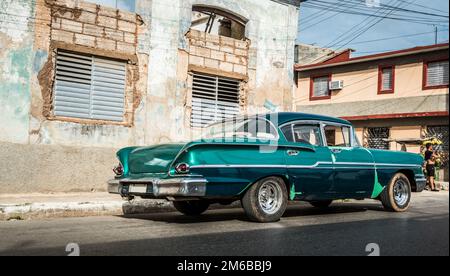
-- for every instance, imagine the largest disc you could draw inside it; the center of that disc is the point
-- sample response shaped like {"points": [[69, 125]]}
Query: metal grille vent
{"points": [[387, 79], [213, 99], [321, 88], [89, 87], [378, 138], [437, 73]]}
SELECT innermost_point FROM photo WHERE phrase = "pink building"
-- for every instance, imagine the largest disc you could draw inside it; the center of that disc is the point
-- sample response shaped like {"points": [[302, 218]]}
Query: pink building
{"points": [[395, 99]]}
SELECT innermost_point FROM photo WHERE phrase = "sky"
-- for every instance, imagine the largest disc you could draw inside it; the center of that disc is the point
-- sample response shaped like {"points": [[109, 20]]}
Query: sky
{"points": [[322, 29]]}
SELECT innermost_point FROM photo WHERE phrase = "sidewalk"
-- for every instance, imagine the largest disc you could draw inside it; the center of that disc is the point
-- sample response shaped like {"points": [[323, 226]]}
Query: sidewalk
{"points": [[442, 185], [56, 205], [38, 206]]}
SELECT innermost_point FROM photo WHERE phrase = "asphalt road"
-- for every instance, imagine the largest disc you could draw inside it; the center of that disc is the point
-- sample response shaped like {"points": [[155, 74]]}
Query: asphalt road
{"points": [[345, 229]]}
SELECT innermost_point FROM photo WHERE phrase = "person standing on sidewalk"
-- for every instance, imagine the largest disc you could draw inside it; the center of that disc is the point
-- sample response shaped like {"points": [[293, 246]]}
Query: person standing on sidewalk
{"points": [[430, 162]]}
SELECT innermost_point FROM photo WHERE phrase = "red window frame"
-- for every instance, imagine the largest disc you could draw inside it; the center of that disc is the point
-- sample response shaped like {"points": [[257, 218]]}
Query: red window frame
{"points": [[425, 74], [311, 87], [380, 79]]}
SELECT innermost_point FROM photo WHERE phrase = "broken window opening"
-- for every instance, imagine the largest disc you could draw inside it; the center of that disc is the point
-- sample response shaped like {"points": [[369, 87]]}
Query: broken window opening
{"points": [[218, 22]]}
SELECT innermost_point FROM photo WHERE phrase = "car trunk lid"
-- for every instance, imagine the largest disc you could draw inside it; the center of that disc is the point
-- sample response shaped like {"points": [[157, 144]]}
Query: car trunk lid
{"points": [[154, 159]]}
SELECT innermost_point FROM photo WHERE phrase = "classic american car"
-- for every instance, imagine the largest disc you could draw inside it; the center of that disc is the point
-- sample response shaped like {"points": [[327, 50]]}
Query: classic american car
{"points": [[265, 161]]}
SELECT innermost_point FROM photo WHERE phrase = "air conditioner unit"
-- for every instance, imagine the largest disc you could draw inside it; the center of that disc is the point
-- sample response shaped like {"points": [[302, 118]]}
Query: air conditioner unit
{"points": [[336, 85]]}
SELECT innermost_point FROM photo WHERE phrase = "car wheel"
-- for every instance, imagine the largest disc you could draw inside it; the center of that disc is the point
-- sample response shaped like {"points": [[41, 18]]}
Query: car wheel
{"points": [[396, 197], [191, 208], [266, 200], [323, 204]]}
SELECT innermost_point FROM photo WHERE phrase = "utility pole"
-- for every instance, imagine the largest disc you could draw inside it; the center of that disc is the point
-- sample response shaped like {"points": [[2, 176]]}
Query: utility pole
{"points": [[435, 35]]}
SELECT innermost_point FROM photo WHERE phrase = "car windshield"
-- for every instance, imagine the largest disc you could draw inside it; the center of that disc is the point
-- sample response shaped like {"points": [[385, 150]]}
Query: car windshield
{"points": [[254, 128]]}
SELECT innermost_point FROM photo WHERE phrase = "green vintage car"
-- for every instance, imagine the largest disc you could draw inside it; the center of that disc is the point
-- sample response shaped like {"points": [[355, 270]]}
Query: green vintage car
{"points": [[265, 161]]}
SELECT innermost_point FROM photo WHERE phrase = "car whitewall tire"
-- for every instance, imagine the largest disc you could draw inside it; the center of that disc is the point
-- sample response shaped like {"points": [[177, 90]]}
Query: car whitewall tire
{"points": [[396, 196], [266, 200]]}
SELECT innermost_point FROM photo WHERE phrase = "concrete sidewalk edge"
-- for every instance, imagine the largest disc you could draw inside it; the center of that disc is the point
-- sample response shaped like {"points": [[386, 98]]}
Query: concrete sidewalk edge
{"points": [[49, 207]]}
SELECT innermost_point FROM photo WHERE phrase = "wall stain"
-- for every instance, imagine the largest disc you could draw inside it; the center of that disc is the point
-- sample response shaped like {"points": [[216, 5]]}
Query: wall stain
{"points": [[45, 78]]}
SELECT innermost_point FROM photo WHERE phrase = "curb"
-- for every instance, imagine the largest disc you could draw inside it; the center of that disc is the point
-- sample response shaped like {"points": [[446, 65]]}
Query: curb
{"points": [[58, 210], [48, 210], [35, 211]]}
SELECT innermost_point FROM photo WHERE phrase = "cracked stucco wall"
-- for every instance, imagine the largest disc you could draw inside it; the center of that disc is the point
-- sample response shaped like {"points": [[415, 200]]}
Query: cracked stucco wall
{"points": [[272, 30], [162, 45], [16, 66], [33, 146], [83, 153], [88, 28]]}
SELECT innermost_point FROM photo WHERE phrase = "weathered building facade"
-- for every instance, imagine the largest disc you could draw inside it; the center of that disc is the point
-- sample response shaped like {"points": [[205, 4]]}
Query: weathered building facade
{"points": [[80, 79], [394, 99]]}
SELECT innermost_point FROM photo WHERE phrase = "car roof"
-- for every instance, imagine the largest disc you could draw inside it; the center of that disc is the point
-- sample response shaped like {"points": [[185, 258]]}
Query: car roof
{"points": [[281, 118], [286, 117]]}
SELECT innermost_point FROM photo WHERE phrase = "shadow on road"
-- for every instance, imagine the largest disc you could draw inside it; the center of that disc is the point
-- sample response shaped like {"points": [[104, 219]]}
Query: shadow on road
{"points": [[238, 213]]}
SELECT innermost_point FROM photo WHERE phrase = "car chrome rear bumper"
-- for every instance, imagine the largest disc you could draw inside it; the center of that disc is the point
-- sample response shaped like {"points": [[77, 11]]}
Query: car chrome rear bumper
{"points": [[160, 188]]}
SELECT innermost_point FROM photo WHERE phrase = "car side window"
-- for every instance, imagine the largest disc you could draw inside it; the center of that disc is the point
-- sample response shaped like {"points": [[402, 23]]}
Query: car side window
{"points": [[338, 136], [306, 134], [257, 128]]}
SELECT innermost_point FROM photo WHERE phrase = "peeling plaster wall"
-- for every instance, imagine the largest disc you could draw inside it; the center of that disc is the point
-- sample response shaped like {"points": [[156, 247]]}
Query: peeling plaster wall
{"points": [[46, 155], [80, 26], [272, 30], [165, 98], [43, 145], [16, 65]]}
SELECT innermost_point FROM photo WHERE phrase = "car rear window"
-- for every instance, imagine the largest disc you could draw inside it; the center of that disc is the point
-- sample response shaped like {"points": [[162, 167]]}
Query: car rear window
{"points": [[306, 134]]}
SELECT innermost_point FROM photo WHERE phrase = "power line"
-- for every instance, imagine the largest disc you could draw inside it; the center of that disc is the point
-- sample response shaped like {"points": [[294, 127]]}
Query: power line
{"points": [[351, 32], [321, 21], [364, 11], [348, 34], [386, 6], [395, 37], [371, 26], [346, 6], [366, 28], [385, 50], [314, 16], [423, 6], [415, 19]]}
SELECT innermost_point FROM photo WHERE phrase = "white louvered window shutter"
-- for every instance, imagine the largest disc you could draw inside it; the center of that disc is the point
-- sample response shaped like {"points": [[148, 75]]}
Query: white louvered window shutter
{"points": [[437, 73], [320, 87], [213, 99], [387, 79], [89, 87]]}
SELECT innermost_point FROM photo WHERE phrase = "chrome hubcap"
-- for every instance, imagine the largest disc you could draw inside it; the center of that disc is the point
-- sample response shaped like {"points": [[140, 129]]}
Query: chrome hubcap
{"points": [[401, 193], [270, 197]]}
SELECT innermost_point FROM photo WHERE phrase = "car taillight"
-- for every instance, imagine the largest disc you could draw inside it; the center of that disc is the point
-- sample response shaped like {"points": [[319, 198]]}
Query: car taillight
{"points": [[118, 170], [182, 168]]}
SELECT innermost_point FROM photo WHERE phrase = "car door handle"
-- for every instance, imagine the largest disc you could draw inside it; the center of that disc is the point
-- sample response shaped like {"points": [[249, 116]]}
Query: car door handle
{"points": [[336, 151], [293, 152]]}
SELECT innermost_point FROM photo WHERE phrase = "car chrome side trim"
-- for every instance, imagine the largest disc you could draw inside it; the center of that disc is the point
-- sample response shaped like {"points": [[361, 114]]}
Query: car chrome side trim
{"points": [[378, 164], [262, 166], [316, 165]]}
